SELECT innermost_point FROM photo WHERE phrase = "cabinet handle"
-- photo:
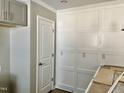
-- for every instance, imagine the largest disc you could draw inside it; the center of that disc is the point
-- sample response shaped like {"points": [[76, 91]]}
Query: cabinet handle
{"points": [[11, 16], [5, 15], [2, 15]]}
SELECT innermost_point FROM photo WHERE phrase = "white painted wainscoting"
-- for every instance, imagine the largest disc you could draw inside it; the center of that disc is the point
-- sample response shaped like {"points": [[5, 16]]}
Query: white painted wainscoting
{"points": [[86, 39]]}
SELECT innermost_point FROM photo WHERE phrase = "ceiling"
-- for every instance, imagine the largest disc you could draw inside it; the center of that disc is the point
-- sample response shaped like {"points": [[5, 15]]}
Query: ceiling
{"points": [[71, 3]]}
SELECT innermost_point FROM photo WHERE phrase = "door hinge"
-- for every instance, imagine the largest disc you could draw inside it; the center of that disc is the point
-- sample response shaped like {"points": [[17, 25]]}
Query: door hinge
{"points": [[53, 30], [52, 79], [52, 54], [61, 52]]}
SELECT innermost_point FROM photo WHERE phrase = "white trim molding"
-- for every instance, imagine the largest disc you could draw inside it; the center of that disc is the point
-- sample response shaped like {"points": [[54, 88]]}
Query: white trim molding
{"points": [[45, 5], [94, 6]]}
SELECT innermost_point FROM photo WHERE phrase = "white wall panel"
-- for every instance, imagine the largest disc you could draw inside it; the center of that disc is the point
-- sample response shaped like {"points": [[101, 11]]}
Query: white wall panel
{"points": [[69, 39], [88, 61], [59, 39], [83, 79], [69, 21], [112, 19], [87, 21], [111, 59], [66, 69], [69, 79], [85, 40], [113, 41], [76, 32], [20, 60], [69, 59]]}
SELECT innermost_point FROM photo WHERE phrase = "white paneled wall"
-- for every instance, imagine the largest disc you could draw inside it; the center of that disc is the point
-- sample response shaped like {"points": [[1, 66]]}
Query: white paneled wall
{"points": [[77, 57], [20, 60], [86, 39]]}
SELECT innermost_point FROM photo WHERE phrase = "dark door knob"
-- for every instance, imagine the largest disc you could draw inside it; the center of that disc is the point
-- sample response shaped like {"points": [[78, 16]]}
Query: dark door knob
{"points": [[40, 64], [122, 29]]}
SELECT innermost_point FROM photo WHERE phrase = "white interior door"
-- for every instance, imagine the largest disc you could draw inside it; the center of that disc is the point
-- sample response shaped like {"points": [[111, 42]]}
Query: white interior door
{"points": [[45, 58]]}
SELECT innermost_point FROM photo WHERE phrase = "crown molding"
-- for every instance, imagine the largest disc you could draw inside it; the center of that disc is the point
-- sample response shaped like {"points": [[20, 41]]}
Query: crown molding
{"points": [[45, 5], [92, 6]]}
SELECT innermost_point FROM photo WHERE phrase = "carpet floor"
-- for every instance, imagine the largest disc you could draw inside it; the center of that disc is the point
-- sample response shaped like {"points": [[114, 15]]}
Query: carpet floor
{"points": [[59, 91]]}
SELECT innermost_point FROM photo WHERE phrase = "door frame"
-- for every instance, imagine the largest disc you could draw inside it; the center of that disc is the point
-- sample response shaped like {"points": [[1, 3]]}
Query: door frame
{"points": [[53, 60]]}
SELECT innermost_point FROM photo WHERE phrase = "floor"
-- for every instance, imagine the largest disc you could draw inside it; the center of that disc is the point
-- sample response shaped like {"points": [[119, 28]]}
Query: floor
{"points": [[59, 91]]}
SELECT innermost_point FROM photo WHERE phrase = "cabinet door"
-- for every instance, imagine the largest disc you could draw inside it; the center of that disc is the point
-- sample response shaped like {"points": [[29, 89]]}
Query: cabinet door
{"points": [[1, 9], [4, 10], [18, 13], [13, 12]]}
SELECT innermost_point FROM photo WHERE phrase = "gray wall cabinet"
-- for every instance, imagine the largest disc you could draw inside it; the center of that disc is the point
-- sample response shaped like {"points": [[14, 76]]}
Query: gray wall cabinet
{"points": [[13, 13]]}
